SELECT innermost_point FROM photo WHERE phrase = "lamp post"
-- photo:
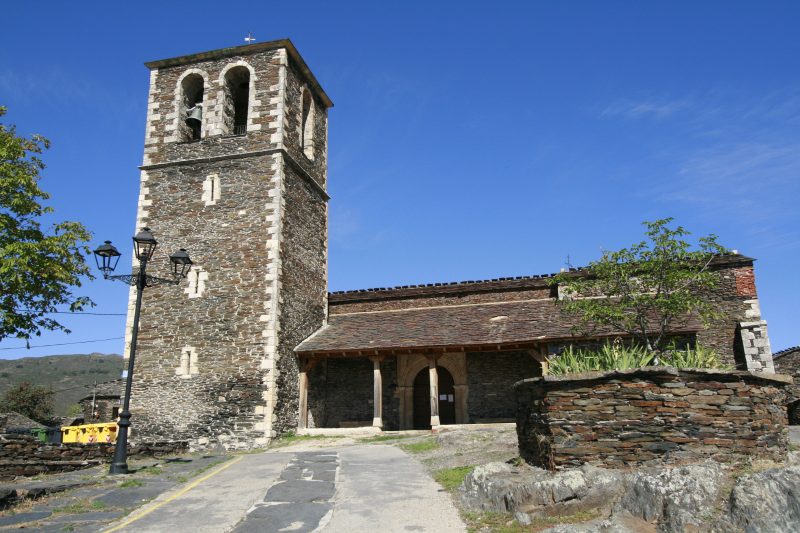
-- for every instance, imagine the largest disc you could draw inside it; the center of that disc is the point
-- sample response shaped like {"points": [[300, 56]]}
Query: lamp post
{"points": [[107, 257]]}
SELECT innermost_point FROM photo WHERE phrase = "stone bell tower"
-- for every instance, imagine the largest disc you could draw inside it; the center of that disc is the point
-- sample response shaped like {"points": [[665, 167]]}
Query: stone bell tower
{"points": [[235, 171]]}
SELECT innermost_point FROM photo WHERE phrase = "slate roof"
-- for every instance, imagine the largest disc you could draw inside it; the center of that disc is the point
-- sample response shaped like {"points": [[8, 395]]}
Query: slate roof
{"points": [[488, 285], [12, 419], [107, 389], [472, 326], [786, 351]]}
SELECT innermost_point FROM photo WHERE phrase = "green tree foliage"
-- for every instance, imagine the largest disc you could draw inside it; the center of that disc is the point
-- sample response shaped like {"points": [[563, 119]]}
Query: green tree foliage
{"points": [[644, 289], [74, 409], [33, 401], [38, 267]]}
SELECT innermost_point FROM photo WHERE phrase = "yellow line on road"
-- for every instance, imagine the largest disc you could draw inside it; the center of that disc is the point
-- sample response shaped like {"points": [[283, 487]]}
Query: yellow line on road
{"points": [[178, 494]]}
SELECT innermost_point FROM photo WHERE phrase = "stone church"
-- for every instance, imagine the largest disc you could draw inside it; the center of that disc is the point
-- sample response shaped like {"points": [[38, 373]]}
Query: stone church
{"points": [[252, 345]]}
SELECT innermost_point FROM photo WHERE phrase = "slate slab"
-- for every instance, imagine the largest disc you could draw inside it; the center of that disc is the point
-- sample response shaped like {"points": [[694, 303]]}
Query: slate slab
{"points": [[295, 517]]}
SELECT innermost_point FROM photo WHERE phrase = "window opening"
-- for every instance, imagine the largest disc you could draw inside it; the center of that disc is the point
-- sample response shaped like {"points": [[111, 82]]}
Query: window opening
{"points": [[237, 100], [192, 87]]}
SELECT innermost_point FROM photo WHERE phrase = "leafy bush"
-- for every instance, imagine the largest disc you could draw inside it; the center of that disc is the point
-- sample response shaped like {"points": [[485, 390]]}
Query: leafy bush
{"points": [[619, 356]]}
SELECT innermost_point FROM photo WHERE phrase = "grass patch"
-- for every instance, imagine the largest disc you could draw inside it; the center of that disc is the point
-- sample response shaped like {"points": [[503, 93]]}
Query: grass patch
{"points": [[421, 446], [291, 438], [130, 483], [153, 470], [505, 523], [383, 438], [452, 478], [81, 506]]}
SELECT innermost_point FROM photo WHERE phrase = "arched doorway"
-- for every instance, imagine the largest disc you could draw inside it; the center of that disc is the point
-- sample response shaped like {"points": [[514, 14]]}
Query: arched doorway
{"points": [[422, 395]]}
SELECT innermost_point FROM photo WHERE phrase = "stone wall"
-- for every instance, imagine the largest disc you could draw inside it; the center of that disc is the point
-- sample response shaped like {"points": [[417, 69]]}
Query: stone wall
{"points": [[491, 377], [223, 400], [23, 455], [303, 289], [341, 393], [624, 418], [733, 334]]}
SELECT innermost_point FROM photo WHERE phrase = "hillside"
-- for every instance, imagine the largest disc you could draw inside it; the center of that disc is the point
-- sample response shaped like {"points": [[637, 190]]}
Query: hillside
{"points": [[70, 376]]}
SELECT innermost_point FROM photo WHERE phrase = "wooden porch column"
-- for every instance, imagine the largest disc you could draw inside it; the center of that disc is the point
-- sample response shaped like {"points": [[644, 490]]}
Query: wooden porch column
{"points": [[377, 392], [434, 379], [305, 367]]}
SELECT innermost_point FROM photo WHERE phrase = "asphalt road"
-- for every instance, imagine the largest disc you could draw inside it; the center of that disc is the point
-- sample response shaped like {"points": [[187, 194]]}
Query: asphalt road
{"points": [[349, 489]]}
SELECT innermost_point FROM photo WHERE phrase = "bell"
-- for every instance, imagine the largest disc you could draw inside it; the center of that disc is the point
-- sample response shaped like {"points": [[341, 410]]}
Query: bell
{"points": [[195, 114]]}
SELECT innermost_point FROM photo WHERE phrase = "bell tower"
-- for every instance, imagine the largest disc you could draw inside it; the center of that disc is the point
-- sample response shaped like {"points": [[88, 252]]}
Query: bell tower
{"points": [[235, 171]]}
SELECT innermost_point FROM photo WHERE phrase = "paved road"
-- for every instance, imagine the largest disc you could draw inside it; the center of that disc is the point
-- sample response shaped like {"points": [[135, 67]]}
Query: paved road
{"points": [[348, 489]]}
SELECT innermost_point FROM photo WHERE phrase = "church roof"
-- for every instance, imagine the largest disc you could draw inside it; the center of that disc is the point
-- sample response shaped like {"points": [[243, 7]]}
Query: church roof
{"points": [[480, 326]]}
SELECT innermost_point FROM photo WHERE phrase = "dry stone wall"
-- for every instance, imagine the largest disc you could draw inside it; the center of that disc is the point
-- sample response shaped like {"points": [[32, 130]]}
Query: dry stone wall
{"points": [[624, 418], [24, 455]]}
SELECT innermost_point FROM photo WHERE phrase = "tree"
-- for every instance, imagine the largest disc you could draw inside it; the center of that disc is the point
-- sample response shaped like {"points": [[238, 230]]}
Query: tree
{"points": [[38, 267], [33, 401], [644, 289]]}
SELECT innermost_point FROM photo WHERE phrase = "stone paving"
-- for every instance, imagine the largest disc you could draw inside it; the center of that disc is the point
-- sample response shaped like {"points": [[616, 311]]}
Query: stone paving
{"points": [[88, 500], [299, 499]]}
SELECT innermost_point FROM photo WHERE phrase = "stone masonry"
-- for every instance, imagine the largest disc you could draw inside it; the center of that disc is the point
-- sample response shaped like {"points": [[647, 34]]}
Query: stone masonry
{"points": [[214, 363], [631, 417]]}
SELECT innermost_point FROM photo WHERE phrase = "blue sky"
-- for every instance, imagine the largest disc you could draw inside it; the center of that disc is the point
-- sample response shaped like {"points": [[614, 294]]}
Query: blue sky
{"points": [[468, 140]]}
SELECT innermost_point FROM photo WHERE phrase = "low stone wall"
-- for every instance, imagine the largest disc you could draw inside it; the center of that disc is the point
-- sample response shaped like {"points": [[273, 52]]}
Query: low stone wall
{"points": [[24, 455], [627, 418]]}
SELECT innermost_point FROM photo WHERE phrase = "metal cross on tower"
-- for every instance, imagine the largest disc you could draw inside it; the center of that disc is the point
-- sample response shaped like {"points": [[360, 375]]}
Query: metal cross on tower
{"points": [[249, 39]]}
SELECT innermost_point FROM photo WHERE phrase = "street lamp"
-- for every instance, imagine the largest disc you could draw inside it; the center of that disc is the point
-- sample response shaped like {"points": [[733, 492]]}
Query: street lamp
{"points": [[107, 257]]}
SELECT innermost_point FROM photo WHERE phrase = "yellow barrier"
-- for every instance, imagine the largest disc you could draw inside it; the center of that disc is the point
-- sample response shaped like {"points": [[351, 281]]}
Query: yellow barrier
{"points": [[90, 433]]}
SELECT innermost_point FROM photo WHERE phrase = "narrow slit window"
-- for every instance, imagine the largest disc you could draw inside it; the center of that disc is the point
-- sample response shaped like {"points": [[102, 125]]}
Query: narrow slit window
{"points": [[188, 362], [307, 125], [197, 282], [212, 190]]}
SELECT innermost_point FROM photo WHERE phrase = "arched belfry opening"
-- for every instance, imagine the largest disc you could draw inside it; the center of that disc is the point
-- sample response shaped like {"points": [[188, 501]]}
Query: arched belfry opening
{"points": [[192, 112], [237, 100], [307, 125]]}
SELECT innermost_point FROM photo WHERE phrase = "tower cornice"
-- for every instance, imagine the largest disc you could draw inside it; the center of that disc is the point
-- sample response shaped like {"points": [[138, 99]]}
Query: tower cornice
{"points": [[244, 50]]}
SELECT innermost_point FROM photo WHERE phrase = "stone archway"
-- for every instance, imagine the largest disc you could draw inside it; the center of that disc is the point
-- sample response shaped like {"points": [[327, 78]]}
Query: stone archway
{"points": [[409, 367], [421, 403]]}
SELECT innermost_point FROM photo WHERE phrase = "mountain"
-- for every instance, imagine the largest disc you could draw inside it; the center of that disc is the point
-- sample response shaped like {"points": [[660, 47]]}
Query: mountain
{"points": [[71, 377]]}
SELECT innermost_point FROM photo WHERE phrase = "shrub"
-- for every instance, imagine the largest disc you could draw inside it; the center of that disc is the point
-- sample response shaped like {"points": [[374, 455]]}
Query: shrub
{"points": [[697, 357], [618, 356]]}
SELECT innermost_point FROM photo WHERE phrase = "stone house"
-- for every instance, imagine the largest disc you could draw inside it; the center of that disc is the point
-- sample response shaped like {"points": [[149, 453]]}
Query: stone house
{"points": [[103, 403], [251, 345]]}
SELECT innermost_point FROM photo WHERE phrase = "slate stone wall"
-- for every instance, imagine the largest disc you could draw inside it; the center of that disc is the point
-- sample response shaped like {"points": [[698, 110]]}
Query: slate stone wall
{"points": [[347, 303], [303, 289], [491, 377], [224, 400], [23, 455], [733, 334], [625, 418], [341, 393]]}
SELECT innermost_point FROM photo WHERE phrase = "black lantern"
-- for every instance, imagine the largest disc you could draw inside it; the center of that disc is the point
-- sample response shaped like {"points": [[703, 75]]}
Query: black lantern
{"points": [[180, 263], [106, 256], [144, 244]]}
